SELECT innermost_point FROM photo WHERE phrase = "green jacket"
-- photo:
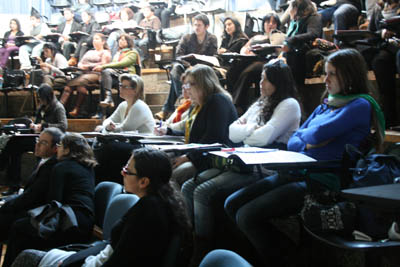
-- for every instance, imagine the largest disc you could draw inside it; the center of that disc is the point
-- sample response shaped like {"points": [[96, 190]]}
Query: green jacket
{"points": [[127, 60]]}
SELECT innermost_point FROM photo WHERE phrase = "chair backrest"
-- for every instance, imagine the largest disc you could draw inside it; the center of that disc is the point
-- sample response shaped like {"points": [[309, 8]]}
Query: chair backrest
{"points": [[223, 258], [103, 194], [119, 205], [173, 250]]}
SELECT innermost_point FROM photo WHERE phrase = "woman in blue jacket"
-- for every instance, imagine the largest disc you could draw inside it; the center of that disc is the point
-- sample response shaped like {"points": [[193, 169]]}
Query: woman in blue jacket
{"points": [[345, 118]]}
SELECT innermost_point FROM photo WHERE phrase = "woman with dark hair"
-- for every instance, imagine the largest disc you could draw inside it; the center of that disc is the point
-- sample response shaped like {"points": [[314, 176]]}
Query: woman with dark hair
{"points": [[142, 236], [123, 61], [99, 56], [323, 137], [209, 117], [55, 61], [125, 21], [72, 184], [51, 113], [304, 26], [233, 37], [242, 76], [269, 122], [9, 45], [133, 114]]}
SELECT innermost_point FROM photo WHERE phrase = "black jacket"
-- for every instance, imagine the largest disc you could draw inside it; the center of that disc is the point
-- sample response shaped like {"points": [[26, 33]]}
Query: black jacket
{"points": [[211, 126], [7, 34], [310, 29], [75, 27], [35, 190]]}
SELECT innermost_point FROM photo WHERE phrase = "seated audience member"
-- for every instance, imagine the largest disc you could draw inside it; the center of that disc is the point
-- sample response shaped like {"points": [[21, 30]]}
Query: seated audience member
{"points": [[323, 137], [123, 61], [143, 235], [343, 14], [269, 122], [51, 68], [382, 58], [33, 48], [209, 118], [233, 38], [133, 114], [149, 22], [304, 26], [80, 7], [199, 42], [99, 56], [70, 25], [72, 184], [9, 45], [163, 12], [118, 26], [34, 195], [243, 74], [51, 113], [89, 26]]}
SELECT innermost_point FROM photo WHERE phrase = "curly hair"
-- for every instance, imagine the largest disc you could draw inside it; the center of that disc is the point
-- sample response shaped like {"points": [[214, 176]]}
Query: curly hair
{"points": [[279, 74], [79, 149]]}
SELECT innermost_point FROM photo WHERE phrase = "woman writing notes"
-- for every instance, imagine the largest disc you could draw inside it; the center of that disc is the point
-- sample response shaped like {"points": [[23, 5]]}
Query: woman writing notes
{"points": [[133, 114]]}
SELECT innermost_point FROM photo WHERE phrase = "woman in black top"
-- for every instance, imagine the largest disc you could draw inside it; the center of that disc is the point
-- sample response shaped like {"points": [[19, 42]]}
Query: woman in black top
{"points": [[142, 236], [209, 118], [51, 113], [71, 183], [233, 37], [9, 45]]}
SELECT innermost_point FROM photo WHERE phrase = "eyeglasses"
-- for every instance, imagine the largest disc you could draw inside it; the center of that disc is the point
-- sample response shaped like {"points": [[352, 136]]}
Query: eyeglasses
{"points": [[41, 142], [125, 171], [125, 87], [187, 86]]}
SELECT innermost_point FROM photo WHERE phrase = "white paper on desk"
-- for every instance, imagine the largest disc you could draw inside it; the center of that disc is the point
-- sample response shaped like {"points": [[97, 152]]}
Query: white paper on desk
{"points": [[252, 155], [184, 147]]}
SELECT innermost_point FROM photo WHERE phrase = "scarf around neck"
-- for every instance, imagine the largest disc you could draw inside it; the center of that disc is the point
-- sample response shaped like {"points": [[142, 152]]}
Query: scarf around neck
{"points": [[338, 100]]}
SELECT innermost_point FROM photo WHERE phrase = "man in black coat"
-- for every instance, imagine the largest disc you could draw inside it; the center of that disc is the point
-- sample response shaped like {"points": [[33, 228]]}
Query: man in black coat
{"points": [[36, 188]]}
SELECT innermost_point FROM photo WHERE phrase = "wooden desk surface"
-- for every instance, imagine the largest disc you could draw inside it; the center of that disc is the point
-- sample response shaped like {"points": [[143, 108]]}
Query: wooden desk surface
{"points": [[392, 136]]}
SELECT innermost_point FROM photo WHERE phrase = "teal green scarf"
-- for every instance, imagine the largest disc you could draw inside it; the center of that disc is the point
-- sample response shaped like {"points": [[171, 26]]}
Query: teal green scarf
{"points": [[338, 100]]}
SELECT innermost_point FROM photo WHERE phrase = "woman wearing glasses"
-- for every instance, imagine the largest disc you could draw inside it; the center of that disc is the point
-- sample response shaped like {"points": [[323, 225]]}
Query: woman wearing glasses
{"points": [[133, 114], [142, 236], [71, 183]]}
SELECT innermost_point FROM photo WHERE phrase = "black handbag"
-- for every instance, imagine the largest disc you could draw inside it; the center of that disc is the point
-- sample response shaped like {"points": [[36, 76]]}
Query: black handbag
{"points": [[51, 218], [13, 78]]}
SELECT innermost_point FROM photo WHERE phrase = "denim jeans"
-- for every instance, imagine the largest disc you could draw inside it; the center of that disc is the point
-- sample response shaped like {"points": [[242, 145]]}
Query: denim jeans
{"points": [[175, 91], [252, 207], [206, 193], [342, 15]]}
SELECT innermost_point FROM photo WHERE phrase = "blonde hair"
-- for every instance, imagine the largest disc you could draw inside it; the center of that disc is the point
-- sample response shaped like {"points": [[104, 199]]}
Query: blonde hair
{"points": [[136, 82], [206, 81]]}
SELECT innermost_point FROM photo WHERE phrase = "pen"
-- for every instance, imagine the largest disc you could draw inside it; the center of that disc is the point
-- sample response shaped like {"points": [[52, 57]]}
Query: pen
{"points": [[160, 124]]}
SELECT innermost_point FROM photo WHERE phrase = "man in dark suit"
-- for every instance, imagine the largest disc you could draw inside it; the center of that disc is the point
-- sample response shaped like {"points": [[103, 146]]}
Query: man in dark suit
{"points": [[36, 188]]}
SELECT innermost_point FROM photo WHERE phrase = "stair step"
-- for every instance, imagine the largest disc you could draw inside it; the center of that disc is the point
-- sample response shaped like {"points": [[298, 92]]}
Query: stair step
{"points": [[156, 98]]}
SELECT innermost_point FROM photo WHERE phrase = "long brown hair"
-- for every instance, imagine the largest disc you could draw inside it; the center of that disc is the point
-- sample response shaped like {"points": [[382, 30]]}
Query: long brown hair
{"points": [[79, 149]]}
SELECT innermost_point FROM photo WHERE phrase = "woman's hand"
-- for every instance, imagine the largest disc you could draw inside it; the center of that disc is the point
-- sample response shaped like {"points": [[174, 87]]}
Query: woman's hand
{"points": [[387, 34], [222, 50], [179, 160], [309, 146], [98, 68], [37, 128], [110, 127], [98, 128], [285, 48], [160, 130]]}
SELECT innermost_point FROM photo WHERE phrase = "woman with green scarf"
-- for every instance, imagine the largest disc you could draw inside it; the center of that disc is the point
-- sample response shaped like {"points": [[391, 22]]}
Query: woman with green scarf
{"points": [[345, 118]]}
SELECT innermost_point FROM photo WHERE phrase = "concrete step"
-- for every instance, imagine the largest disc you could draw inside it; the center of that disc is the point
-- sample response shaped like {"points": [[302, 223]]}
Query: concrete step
{"points": [[156, 98]]}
